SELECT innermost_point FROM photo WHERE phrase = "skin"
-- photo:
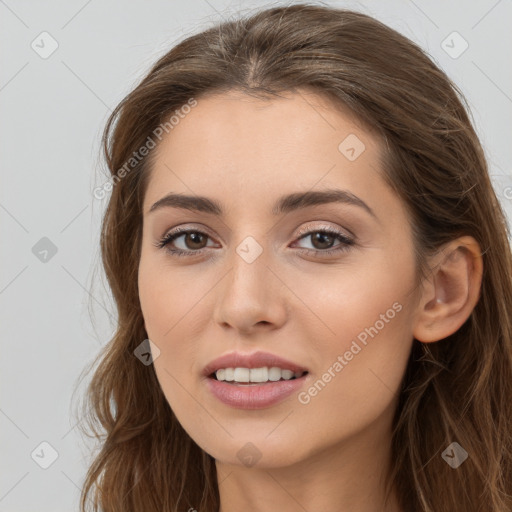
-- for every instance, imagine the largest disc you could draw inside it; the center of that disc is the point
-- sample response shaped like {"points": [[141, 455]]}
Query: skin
{"points": [[333, 452]]}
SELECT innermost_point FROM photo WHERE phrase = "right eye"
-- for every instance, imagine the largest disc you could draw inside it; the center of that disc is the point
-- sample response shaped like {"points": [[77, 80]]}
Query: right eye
{"points": [[191, 237]]}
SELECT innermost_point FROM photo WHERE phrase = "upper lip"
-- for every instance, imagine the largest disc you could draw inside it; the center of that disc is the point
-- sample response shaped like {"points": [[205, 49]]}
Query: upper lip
{"points": [[254, 360]]}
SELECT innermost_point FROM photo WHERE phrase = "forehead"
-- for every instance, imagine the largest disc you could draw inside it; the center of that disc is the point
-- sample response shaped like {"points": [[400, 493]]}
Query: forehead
{"points": [[243, 147]]}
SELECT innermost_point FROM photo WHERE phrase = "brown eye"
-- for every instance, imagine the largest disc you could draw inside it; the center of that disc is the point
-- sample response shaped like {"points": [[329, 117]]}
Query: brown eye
{"points": [[322, 241], [192, 242], [194, 239]]}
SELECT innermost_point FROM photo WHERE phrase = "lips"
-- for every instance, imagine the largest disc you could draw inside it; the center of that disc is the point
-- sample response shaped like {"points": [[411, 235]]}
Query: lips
{"points": [[253, 396], [254, 360]]}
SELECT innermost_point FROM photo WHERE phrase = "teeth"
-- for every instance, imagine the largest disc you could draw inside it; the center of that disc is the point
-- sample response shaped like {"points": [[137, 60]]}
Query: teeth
{"points": [[258, 374], [241, 375], [274, 374], [286, 374], [263, 374]]}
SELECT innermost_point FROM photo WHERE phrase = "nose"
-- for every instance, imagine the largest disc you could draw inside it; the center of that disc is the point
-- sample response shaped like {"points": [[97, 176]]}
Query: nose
{"points": [[252, 296]]}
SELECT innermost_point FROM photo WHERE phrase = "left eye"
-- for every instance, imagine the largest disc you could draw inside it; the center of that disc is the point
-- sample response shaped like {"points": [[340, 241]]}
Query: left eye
{"points": [[194, 241], [326, 237]]}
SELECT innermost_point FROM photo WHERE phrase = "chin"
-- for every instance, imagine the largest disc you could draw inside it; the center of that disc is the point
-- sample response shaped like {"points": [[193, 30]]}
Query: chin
{"points": [[258, 451]]}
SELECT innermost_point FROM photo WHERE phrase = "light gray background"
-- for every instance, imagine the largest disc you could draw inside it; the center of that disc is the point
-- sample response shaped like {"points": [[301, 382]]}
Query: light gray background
{"points": [[53, 111]]}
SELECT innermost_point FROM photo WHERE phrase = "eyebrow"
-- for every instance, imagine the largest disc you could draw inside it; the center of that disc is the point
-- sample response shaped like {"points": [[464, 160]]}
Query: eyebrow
{"points": [[284, 204]]}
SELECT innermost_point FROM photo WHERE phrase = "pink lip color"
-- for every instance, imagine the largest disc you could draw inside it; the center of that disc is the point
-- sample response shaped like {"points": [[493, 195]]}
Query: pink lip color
{"points": [[252, 396], [257, 396]]}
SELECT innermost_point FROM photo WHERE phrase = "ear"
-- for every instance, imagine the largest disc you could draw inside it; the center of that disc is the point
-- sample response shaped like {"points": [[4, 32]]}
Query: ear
{"points": [[451, 292]]}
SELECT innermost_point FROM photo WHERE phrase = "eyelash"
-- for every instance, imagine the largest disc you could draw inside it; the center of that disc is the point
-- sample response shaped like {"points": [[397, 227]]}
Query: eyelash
{"points": [[344, 246]]}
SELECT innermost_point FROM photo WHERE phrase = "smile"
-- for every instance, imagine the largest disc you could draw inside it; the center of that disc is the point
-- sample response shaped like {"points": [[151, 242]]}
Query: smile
{"points": [[255, 375]]}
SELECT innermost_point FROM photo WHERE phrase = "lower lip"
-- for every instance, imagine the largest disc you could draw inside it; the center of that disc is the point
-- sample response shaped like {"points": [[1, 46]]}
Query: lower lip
{"points": [[254, 396]]}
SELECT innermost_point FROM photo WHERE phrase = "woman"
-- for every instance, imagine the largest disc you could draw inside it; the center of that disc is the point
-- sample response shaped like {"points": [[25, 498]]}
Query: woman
{"points": [[313, 281]]}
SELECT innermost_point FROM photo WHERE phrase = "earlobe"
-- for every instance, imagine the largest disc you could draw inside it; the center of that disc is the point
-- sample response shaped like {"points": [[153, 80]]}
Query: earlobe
{"points": [[451, 292]]}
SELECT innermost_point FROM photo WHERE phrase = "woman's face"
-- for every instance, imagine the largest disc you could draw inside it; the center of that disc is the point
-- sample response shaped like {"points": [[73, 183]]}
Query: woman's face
{"points": [[259, 274]]}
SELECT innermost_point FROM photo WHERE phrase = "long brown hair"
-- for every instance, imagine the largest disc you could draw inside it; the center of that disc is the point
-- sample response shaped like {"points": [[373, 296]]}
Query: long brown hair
{"points": [[455, 390]]}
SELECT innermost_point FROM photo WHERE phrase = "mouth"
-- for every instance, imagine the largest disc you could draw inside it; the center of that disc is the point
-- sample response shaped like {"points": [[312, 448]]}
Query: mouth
{"points": [[265, 375], [253, 381], [235, 387]]}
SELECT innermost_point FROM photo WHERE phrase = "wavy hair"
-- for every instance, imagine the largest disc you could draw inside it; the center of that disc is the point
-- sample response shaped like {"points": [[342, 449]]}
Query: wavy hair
{"points": [[457, 389]]}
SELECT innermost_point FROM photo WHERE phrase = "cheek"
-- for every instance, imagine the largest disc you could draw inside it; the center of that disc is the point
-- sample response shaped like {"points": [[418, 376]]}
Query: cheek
{"points": [[166, 297], [174, 314], [360, 381], [361, 329]]}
